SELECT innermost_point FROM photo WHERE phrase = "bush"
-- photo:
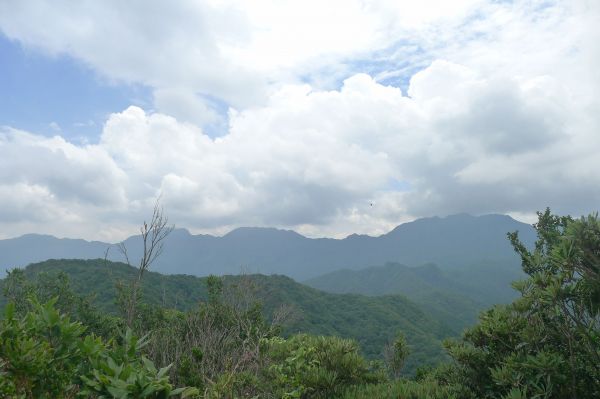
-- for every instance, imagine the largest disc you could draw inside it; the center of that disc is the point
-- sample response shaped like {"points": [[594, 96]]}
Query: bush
{"points": [[40, 354], [306, 366], [45, 355]]}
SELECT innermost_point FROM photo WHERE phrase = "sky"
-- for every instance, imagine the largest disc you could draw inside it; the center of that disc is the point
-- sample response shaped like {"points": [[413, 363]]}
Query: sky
{"points": [[329, 118]]}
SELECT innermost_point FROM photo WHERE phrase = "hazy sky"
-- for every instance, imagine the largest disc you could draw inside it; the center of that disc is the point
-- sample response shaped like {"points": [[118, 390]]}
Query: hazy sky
{"points": [[327, 117]]}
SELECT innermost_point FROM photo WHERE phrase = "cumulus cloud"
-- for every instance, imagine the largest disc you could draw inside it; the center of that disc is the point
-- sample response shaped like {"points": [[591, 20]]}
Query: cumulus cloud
{"points": [[316, 160], [187, 106], [69, 172], [499, 115]]}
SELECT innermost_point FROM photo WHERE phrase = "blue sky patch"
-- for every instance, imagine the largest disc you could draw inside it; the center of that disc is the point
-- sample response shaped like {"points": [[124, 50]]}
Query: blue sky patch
{"points": [[52, 95]]}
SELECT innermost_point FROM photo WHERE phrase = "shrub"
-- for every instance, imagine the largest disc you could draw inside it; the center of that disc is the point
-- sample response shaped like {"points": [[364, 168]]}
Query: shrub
{"points": [[45, 355], [306, 366]]}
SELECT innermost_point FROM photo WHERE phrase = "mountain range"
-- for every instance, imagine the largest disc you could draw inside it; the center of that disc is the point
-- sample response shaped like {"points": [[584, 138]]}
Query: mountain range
{"points": [[428, 278], [453, 243]]}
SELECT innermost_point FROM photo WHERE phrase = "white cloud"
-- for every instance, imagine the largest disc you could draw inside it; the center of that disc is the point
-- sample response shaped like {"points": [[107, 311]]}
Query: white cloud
{"points": [[82, 174], [500, 114], [187, 106], [237, 51], [315, 160]]}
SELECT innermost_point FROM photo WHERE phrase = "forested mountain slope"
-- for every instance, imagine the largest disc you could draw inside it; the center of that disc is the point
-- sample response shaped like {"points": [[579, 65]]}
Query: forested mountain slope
{"points": [[426, 285], [452, 296], [372, 321]]}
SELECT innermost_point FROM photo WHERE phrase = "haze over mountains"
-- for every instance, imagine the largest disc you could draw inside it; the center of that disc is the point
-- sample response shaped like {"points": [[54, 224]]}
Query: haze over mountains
{"points": [[454, 243]]}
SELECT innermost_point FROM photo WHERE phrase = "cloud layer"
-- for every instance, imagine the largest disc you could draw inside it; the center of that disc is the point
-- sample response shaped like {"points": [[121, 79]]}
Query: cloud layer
{"points": [[499, 115]]}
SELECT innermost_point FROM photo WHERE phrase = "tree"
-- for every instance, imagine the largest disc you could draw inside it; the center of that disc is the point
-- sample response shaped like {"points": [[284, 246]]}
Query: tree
{"points": [[547, 343], [395, 354], [153, 235]]}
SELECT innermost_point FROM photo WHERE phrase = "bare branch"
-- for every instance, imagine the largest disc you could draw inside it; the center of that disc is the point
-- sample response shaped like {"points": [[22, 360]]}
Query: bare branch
{"points": [[123, 250], [153, 235]]}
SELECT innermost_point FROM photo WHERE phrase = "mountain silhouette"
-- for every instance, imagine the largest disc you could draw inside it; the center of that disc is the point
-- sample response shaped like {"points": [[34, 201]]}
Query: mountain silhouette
{"points": [[452, 242]]}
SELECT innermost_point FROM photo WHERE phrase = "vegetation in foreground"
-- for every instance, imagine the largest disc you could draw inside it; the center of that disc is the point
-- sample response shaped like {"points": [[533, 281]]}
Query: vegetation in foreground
{"points": [[546, 344], [371, 321]]}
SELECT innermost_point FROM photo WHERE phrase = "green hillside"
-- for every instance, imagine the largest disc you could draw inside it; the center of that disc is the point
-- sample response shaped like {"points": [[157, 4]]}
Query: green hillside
{"points": [[372, 321], [455, 298], [98, 277], [439, 296]]}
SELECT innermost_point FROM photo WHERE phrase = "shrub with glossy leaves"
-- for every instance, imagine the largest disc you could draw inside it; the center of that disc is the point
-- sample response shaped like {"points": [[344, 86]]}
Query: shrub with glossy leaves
{"points": [[40, 355], [45, 355]]}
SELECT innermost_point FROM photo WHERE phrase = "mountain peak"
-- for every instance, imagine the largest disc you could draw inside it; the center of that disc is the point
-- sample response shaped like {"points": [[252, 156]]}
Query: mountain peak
{"points": [[355, 236], [455, 219]]}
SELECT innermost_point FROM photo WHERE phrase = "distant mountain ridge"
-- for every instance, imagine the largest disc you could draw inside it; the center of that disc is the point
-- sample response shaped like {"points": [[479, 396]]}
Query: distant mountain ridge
{"points": [[451, 242]]}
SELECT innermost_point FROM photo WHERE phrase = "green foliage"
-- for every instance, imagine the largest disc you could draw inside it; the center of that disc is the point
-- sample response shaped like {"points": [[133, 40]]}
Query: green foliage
{"points": [[189, 369], [305, 366], [395, 355], [546, 344], [371, 321], [215, 289], [19, 288], [98, 279], [405, 389], [216, 347], [40, 353], [123, 373], [45, 355]]}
